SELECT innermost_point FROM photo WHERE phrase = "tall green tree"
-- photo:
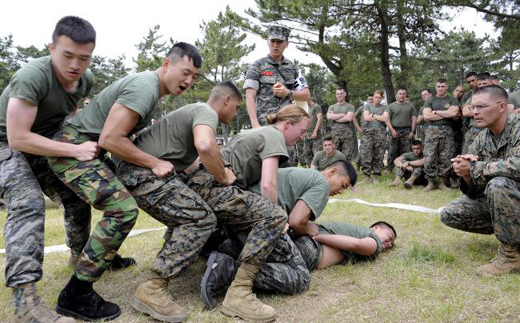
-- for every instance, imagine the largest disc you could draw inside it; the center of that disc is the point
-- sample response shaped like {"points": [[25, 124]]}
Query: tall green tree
{"points": [[7, 61], [106, 71], [222, 49]]}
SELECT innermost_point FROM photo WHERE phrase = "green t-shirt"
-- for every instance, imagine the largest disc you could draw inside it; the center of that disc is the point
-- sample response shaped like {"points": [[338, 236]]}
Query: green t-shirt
{"points": [[401, 114], [245, 152], [372, 109], [351, 230], [138, 92], [514, 99], [438, 104], [303, 184], [341, 108], [408, 157], [38, 84], [313, 113], [472, 122], [467, 96], [171, 138], [321, 161]]}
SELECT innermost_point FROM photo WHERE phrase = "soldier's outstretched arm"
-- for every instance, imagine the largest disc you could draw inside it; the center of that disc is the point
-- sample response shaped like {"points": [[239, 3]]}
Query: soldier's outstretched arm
{"points": [[364, 247], [19, 120], [251, 107], [114, 138]]}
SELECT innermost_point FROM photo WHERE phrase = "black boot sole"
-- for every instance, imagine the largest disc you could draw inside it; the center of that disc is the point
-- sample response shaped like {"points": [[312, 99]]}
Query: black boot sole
{"points": [[69, 313]]}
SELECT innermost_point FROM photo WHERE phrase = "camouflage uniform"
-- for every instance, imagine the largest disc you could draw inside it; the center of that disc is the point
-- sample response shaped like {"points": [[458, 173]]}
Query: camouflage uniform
{"points": [[261, 76], [242, 210], [170, 201], [23, 177], [492, 199], [372, 150], [398, 146], [94, 182], [438, 151], [344, 138], [469, 138]]}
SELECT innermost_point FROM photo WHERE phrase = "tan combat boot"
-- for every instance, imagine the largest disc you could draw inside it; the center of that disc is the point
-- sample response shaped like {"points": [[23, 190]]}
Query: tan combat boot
{"points": [[240, 300], [409, 182], [507, 260], [442, 184], [431, 185], [152, 298], [397, 181], [29, 309]]}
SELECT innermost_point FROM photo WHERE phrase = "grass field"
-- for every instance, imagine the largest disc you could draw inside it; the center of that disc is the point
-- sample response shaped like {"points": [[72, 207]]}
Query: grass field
{"points": [[427, 277]]}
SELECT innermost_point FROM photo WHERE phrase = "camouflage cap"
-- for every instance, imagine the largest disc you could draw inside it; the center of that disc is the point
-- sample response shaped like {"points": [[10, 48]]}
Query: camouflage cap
{"points": [[278, 32]]}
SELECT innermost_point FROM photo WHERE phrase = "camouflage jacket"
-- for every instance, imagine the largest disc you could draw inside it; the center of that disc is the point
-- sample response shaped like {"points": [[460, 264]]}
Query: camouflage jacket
{"points": [[494, 160], [262, 75]]}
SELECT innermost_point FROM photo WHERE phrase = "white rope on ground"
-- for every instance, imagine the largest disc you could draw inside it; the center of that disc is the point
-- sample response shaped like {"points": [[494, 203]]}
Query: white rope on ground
{"points": [[63, 247], [415, 208]]}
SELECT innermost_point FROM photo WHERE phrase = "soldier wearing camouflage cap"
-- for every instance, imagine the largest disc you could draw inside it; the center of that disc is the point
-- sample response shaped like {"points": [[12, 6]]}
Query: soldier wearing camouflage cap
{"points": [[272, 82]]}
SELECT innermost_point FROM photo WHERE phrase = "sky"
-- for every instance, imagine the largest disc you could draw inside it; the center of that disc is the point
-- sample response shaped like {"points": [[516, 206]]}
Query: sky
{"points": [[120, 25]]}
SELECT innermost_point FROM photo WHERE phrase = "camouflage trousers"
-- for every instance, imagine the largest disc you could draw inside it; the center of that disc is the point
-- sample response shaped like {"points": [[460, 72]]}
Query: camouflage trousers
{"points": [[417, 171], [345, 141], [170, 201], [372, 150], [310, 148], [22, 180], [286, 269], [438, 151], [95, 183], [496, 211], [242, 210], [398, 146], [469, 138]]}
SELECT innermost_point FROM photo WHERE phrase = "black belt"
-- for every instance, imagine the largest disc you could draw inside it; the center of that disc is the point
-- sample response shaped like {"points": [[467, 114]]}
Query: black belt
{"points": [[438, 126]]}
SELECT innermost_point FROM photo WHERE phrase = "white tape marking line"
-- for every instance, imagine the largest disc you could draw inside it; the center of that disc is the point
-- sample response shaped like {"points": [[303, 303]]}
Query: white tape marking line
{"points": [[415, 208], [63, 247]]}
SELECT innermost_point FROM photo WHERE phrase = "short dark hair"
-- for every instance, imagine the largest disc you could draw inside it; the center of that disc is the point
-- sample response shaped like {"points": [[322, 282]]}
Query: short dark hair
{"points": [[369, 95], [470, 74], [345, 168], [386, 224], [328, 138], [494, 77], [401, 89], [442, 80], [182, 49], [495, 91], [483, 76], [225, 88], [76, 28], [339, 88], [427, 90], [416, 142]]}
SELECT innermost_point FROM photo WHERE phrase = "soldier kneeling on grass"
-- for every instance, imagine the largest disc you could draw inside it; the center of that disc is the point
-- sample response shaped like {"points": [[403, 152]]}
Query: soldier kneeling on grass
{"points": [[410, 167]]}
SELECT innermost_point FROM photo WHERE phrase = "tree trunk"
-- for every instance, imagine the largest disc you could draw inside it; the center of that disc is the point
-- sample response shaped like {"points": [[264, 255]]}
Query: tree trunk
{"points": [[385, 54]]}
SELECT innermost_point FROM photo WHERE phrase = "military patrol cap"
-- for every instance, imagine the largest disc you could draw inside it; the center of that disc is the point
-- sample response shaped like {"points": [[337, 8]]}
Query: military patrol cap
{"points": [[278, 32]]}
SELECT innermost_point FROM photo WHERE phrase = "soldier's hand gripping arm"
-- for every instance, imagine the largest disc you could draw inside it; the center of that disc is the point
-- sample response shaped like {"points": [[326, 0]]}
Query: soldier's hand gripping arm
{"points": [[19, 120], [114, 138]]}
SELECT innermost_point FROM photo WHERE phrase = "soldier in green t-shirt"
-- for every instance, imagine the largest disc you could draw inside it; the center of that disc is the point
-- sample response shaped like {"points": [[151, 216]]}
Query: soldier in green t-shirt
{"points": [[439, 111], [33, 107], [179, 137], [303, 194], [327, 156], [426, 94], [312, 141], [341, 115], [401, 127], [359, 123], [254, 157], [372, 147], [116, 113], [410, 166], [482, 79]]}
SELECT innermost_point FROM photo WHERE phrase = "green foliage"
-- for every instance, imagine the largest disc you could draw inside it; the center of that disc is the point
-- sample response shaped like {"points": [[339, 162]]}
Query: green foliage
{"points": [[106, 71], [152, 51], [7, 62]]}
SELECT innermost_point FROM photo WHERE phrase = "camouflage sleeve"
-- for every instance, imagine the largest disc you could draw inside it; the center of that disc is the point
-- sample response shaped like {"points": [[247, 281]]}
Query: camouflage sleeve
{"points": [[483, 171], [252, 77]]}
